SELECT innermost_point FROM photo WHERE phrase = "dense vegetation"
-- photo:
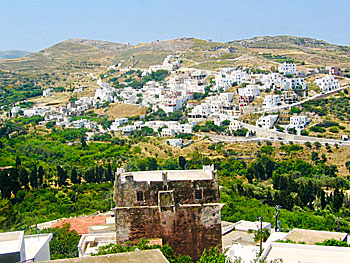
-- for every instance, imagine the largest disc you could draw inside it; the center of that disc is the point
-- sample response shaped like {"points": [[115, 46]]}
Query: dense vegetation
{"points": [[338, 106], [56, 173]]}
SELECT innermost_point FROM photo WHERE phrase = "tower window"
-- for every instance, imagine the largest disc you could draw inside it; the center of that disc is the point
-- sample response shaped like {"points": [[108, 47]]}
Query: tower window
{"points": [[198, 194], [139, 196]]}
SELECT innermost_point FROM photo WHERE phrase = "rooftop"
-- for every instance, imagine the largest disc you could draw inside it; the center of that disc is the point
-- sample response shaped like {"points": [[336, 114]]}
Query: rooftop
{"points": [[243, 225], [11, 242], [291, 253], [144, 256], [34, 243], [81, 224], [313, 236], [172, 175]]}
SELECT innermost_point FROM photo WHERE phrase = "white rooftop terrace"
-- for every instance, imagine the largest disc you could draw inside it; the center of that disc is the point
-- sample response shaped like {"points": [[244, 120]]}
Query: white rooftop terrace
{"points": [[34, 243], [11, 242], [172, 175], [291, 253]]}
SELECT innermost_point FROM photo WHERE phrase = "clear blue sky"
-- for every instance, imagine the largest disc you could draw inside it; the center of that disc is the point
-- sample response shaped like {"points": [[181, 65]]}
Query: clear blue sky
{"points": [[36, 24]]}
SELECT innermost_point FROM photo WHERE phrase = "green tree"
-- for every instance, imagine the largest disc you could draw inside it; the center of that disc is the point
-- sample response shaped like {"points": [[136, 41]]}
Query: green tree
{"points": [[23, 178], [41, 174], [74, 176], [64, 242], [213, 255], [182, 162], [4, 213], [83, 141], [33, 178]]}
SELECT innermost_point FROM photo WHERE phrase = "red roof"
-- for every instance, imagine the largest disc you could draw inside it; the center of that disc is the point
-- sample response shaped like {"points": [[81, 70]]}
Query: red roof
{"points": [[81, 224]]}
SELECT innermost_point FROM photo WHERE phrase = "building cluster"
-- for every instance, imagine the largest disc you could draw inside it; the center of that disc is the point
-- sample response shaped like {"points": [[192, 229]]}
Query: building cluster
{"points": [[327, 83], [273, 90], [165, 128]]}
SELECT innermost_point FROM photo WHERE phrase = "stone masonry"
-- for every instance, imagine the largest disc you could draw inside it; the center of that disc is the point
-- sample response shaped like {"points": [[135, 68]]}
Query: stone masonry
{"points": [[179, 207]]}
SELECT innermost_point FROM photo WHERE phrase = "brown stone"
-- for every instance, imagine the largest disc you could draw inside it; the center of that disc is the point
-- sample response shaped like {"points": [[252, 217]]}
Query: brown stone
{"points": [[180, 207]]}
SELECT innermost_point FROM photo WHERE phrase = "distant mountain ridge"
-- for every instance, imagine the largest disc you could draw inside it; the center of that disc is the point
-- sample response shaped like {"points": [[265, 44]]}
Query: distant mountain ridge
{"points": [[96, 55], [12, 54]]}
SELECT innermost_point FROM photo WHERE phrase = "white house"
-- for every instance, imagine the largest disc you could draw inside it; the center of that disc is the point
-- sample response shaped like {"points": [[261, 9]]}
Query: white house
{"points": [[293, 83], [249, 91], [47, 93], [16, 247], [174, 142], [167, 132], [298, 122], [288, 68], [104, 94], [327, 83], [201, 111], [271, 101], [227, 76], [14, 111], [235, 125], [267, 121], [118, 122]]}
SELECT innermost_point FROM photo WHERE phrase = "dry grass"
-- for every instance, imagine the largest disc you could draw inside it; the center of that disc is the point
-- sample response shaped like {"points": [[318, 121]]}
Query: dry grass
{"points": [[120, 110]]}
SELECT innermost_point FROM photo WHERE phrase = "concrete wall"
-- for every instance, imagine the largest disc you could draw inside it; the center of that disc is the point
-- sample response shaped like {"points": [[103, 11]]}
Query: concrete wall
{"points": [[43, 253]]}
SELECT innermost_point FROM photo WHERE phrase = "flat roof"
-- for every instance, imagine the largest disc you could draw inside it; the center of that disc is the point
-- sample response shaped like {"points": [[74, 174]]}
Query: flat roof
{"points": [[291, 253], [313, 236], [237, 237], [243, 225], [11, 242], [172, 175], [144, 256], [34, 243], [81, 224]]}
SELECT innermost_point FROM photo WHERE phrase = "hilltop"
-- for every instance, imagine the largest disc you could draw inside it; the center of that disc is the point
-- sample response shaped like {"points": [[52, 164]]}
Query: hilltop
{"points": [[12, 54], [95, 55]]}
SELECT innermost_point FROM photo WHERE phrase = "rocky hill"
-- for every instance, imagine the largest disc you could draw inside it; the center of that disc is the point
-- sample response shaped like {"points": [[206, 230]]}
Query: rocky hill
{"points": [[11, 54], [76, 55]]}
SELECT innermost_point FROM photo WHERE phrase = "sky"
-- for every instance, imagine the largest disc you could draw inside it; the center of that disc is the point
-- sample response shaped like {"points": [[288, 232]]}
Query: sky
{"points": [[36, 24]]}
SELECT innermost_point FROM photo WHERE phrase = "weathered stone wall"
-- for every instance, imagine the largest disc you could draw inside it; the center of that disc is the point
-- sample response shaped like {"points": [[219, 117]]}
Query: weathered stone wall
{"points": [[170, 211], [125, 193], [188, 229]]}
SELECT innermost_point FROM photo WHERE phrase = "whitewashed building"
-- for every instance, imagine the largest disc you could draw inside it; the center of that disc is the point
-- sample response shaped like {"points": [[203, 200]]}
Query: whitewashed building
{"points": [[118, 122], [174, 142], [298, 122], [288, 68], [327, 83], [294, 83], [47, 92], [249, 91], [271, 101], [267, 121]]}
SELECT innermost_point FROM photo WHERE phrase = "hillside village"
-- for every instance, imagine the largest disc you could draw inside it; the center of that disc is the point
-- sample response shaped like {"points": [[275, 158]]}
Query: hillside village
{"points": [[227, 95], [172, 173]]}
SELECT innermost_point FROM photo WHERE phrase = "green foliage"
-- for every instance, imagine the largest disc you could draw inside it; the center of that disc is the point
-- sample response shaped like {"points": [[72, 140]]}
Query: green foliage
{"points": [[291, 148], [294, 110], [143, 244], [4, 215], [64, 242], [267, 149], [317, 128], [265, 235], [213, 255], [333, 242]]}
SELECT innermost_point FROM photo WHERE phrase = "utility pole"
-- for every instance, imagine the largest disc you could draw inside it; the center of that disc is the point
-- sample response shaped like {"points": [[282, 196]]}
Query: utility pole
{"points": [[277, 208], [261, 233], [338, 224]]}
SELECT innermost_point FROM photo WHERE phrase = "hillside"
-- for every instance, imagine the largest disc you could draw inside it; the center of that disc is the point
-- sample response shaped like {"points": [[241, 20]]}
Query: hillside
{"points": [[95, 55], [309, 51], [12, 54]]}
